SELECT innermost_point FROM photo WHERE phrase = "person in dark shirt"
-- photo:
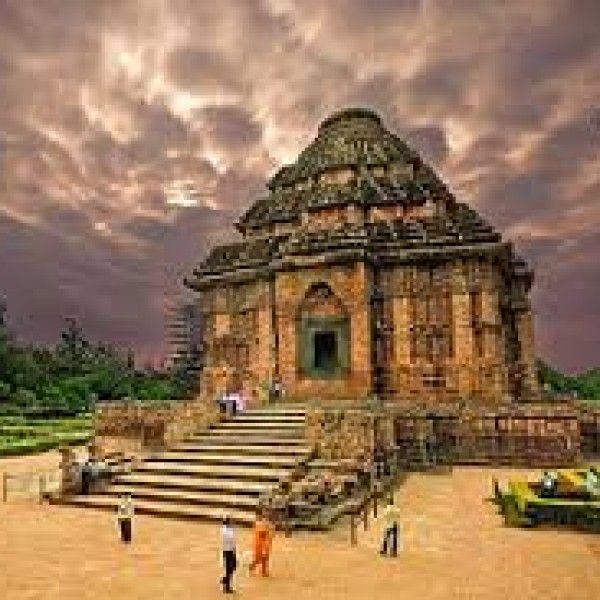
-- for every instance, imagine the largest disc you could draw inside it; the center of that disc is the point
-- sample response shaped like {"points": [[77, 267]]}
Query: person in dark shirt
{"points": [[86, 477]]}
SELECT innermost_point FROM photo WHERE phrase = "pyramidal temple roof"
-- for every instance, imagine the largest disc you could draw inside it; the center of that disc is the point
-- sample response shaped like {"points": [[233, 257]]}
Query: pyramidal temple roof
{"points": [[339, 167], [388, 206], [352, 137]]}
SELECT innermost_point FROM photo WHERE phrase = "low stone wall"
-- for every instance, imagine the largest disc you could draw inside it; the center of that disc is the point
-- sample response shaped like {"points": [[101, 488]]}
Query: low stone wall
{"points": [[527, 435], [134, 427], [589, 424], [512, 434]]}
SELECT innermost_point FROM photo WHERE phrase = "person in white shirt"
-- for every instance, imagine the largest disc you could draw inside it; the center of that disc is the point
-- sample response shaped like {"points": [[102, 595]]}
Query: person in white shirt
{"points": [[548, 485], [125, 512], [240, 401], [229, 554], [391, 520], [592, 482], [233, 403]]}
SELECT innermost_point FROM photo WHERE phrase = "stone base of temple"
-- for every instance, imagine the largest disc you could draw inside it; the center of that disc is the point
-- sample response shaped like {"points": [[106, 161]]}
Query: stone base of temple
{"points": [[305, 462], [510, 434]]}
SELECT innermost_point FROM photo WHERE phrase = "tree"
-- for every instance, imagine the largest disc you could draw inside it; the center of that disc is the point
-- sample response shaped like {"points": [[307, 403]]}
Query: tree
{"points": [[70, 377]]}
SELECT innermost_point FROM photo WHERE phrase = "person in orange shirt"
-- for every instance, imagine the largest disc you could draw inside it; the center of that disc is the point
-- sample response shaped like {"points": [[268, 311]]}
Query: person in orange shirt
{"points": [[262, 537]]}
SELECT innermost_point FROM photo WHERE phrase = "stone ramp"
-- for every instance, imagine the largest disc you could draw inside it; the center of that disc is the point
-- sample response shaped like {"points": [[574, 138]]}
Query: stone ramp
{"points": [[221, 470]]}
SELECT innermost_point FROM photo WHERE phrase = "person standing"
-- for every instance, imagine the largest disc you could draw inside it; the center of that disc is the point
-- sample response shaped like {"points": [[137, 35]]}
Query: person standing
{"points": [[125, 512], [86, 476], [262, 537], [229, 554], [592, 482], [549, 481], [241, 401], [222, 402], [275, 389], [390, 529], [234, 399], [95, 469]]}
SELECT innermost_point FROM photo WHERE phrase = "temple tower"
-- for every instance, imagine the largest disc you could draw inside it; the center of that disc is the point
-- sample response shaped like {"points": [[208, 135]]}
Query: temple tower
{"points": [[359, 273]]}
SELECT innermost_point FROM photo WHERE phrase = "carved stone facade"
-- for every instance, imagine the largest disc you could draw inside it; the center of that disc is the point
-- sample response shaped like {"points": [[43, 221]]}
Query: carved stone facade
{"points": [[358, 274]]}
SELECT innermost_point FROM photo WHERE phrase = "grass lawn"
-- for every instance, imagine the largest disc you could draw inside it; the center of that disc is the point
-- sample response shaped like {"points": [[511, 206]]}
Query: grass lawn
{"points": [[23, 435]]}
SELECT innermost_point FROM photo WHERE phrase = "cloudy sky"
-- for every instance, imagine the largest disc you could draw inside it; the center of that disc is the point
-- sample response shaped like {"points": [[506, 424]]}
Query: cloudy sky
{"points": [[133, 133]]}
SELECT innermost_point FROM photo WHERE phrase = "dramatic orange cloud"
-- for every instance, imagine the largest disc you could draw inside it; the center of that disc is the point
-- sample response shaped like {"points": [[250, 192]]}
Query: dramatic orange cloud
{"points": [[133, 132]]}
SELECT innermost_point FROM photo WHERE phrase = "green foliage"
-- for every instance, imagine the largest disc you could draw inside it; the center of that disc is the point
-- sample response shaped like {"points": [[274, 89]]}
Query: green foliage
{"points": [[70, 377], [24, 435], [585, 385]]}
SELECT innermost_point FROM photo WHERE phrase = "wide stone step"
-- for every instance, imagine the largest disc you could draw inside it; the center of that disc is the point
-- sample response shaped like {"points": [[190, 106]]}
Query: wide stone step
{"points": [[244, 418], [219, 471], [229, 438], [201, 484], [259, 426], [256, 432], [166, 509], [227, 459], [275, 411], [182, 496], [248, 449]]}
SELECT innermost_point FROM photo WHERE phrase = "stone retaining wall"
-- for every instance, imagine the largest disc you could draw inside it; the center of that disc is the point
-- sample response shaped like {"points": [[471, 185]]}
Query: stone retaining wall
{"points": [[527, 435], [133, 427], [516, 434], [589, 424]]}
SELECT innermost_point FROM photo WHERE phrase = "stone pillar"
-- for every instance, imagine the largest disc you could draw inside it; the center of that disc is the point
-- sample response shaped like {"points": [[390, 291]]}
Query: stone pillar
{"points": [[493, 356], [463, 334], [401, 321], [264, 360], [524, 326], [361, 340]]}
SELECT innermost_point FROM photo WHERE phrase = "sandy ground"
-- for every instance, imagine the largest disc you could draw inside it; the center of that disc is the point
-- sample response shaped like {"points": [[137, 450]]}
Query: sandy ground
{"points": [[19, 464], [35, 462], [454, 547]]}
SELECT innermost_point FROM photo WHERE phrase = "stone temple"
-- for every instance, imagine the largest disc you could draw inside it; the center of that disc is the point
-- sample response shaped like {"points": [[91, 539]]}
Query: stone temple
{"points": [[396, 318], [359, 274]]}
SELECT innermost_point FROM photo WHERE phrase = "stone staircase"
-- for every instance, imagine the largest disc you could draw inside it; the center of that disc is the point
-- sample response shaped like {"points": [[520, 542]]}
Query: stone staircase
{"points": [[218, 471]]}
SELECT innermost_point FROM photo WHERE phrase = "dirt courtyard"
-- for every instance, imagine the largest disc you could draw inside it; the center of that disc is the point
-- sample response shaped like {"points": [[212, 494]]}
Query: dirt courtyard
{"points": [[454, 547]]}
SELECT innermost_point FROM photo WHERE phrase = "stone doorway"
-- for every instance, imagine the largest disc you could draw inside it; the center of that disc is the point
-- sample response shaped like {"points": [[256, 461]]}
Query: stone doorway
{"points": [[325, 351], [323, 335]]}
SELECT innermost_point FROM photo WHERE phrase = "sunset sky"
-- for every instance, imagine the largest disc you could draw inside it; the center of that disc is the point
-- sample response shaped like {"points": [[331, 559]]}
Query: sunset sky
{"points": [[134, 132]]}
